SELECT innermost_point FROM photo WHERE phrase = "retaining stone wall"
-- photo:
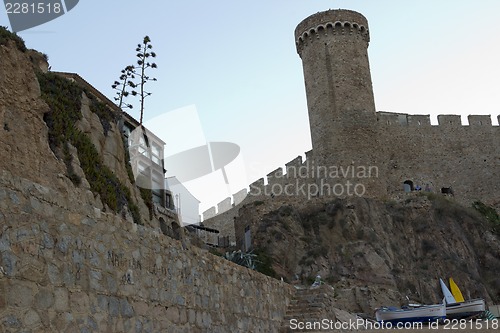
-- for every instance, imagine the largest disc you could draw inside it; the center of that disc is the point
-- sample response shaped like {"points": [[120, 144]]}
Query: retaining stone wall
{"points": [[66, 266]]}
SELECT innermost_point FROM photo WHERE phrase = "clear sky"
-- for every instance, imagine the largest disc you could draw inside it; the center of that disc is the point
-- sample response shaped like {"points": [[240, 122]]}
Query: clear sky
{"points": [[236, 64]]}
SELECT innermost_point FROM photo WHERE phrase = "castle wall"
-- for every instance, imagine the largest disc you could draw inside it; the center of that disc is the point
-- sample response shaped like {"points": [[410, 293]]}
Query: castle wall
{"points": [[282, 183], [222, 217], [408, 147], [223, 222], [69, 267], [467, 158]]}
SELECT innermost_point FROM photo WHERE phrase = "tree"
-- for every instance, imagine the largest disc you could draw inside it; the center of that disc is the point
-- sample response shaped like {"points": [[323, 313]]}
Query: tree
{"points": [[131, 72], [144, 54], [128, 74]]}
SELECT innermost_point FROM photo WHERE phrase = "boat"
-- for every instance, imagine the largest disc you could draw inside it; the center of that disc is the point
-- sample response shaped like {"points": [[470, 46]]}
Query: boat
{"points": [[465, 309], [456, 306], [423, 313]]}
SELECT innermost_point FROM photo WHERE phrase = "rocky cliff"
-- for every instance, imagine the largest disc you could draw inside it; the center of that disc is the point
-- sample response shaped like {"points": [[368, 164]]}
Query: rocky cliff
{"points": [[41, 127], [376, 253]]}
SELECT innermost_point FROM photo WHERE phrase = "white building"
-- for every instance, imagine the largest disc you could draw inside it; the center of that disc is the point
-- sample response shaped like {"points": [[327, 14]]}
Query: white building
{"points": [[187, 206]]}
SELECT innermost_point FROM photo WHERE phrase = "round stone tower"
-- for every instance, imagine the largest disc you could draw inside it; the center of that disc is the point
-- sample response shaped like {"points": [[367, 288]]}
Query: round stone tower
{"points": [[333, 47]]}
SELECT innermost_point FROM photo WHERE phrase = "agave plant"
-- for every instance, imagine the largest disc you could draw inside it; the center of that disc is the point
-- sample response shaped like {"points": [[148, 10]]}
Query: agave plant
{"points": [[241, 258]]}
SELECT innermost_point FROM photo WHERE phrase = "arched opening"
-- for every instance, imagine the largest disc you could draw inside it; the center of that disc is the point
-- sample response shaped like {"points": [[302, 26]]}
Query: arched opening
{"points": [[408, 186], [447, 191]]}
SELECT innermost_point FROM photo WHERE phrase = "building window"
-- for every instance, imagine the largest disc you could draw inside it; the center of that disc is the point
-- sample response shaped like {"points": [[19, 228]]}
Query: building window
{"points": [[157, 197], [156, 153], [143, 146], [169, 202]]}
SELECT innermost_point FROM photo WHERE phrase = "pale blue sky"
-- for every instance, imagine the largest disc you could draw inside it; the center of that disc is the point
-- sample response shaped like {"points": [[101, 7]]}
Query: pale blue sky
{"points": [[237, 63]]}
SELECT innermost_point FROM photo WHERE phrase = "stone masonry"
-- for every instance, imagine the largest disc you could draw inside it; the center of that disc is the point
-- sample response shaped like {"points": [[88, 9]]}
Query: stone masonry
{"points": [[65, 266]]}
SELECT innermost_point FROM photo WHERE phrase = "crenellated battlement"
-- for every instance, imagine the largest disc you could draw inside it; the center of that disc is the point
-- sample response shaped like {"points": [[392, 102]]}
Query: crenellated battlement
{"points": [[419, 120], [479, 120], [337, 28], [294, 169], [331, 23], [449, 120], [445, 121]]}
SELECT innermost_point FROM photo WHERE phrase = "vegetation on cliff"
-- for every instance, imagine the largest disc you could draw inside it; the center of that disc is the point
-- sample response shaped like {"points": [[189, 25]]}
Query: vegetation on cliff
{"points": [[6, 35], [64, 100], [490, 214]]}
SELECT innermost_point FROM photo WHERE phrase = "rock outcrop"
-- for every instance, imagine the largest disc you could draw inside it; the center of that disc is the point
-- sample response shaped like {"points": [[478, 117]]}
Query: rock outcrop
{"points": [[23, 133], [376, 253]]}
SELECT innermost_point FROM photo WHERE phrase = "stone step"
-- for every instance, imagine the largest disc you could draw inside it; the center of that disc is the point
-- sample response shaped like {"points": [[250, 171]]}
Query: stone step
{"points": [[306, 292], [295, 314], [306, 305]]}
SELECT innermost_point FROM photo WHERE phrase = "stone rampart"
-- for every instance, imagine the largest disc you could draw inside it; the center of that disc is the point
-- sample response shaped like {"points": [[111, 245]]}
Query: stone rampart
{"points": [[409, 149], [222, 217], [66, 266]]}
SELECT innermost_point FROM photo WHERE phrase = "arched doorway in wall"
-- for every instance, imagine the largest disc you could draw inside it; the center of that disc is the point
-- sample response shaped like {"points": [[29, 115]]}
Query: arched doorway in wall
{"points": [[447, 191], [408, 186]]}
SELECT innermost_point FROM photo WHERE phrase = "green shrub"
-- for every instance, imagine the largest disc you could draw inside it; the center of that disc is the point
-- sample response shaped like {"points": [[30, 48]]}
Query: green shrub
{"points": [[6, 35], [264, 263], [128, 166], [64, 100], [446, 208], [147, 197], [490, 214]]}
